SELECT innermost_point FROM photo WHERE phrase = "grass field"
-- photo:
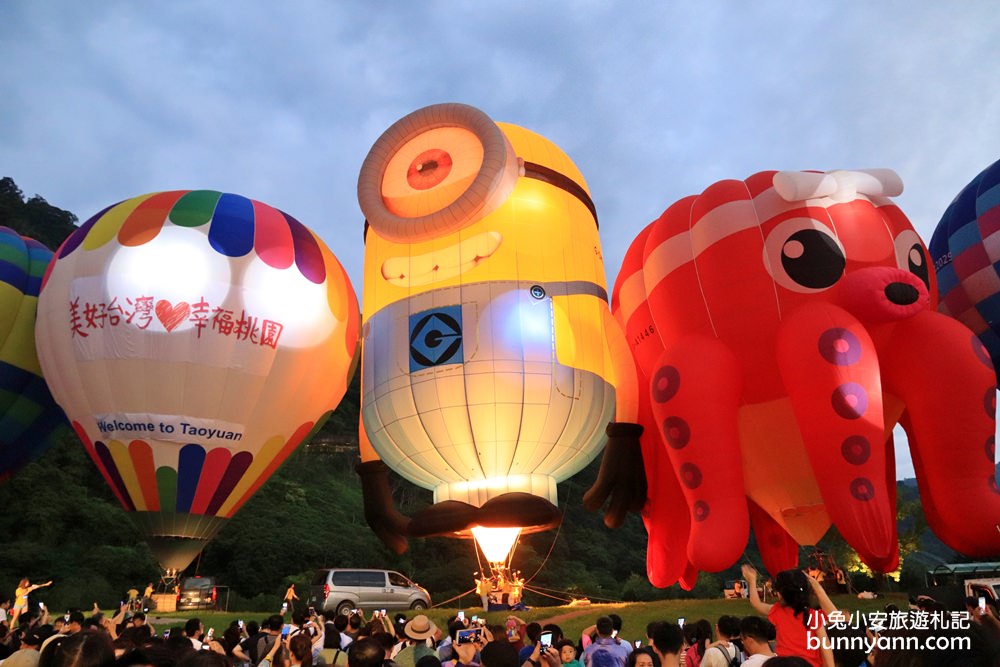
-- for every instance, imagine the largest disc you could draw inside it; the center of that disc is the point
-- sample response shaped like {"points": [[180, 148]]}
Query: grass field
{"points": [[572, 619]]}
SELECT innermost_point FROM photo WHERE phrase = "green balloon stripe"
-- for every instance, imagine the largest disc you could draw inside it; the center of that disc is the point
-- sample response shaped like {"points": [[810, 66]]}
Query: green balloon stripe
{"points": [[7, 399], [195, 208], [166, 484], [15, 256]]}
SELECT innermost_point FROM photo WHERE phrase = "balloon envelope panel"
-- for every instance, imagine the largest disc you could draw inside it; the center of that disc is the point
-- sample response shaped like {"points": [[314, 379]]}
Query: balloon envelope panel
{"points": [[29, 418], [194, 338]]}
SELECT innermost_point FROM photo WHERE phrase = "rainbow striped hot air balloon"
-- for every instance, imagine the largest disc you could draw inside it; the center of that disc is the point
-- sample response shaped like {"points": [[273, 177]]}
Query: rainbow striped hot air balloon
{"points": [[194, 339], [29, 418]]}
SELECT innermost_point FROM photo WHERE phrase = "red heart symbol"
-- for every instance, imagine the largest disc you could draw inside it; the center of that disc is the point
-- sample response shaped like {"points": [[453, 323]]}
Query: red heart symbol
{"points": [[170, 315]]}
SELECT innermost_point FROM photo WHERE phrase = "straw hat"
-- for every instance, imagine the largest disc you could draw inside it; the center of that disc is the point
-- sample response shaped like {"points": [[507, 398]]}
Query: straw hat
{"points": [[419, 628]]}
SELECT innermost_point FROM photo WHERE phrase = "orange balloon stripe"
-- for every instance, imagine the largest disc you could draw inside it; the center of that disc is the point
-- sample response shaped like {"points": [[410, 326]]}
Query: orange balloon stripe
{"points": [[108, 225], [337, 282], [92, 452], [142, 460], [271, 448], [212, 471], [120, 456], [272, 237], [146, 221], [286, 450]]}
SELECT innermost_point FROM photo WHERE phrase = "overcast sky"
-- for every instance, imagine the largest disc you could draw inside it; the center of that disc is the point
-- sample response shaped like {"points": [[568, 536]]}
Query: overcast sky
{"points": [[280, 101]]}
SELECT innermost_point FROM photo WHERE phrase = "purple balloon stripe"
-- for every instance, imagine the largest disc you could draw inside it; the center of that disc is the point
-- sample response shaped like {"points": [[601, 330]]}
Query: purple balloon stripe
{"points": [[76, 238], [109, 464], [234, 473], [308, 256]]}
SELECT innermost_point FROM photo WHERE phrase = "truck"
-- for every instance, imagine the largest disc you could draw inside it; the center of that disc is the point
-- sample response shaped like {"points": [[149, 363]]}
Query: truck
{"points": [[952, 583]]}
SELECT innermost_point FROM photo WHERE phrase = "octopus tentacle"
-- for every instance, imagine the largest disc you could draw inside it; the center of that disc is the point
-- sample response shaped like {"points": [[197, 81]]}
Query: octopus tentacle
{"points": [[944, 376], [778, 549], [831, 371], [695, 394], [689, 578], [665, 515]]}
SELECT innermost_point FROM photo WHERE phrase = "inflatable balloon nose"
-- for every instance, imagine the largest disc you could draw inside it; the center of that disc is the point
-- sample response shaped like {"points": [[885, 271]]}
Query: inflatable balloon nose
{"points": [[487, 372], [194, 339], [883, 294]]}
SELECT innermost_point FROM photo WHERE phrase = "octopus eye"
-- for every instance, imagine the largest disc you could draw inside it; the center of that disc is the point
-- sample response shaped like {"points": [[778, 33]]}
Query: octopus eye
{"points": [[912, 256], [812, 259], [803, 255]]}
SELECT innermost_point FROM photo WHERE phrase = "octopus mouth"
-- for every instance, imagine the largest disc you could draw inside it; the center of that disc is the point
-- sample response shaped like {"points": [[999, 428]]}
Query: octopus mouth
{"points": [[441, 263]]}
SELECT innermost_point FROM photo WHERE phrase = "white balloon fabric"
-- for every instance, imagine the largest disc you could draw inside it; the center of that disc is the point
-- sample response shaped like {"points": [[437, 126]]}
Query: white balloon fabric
{"points": [[194, 339]]}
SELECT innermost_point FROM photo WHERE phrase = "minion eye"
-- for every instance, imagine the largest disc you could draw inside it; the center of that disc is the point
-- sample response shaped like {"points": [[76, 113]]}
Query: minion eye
{"points": [[434, 172]]}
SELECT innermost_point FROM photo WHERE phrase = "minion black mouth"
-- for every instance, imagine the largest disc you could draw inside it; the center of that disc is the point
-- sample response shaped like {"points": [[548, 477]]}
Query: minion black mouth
{"points": [[561, 181]]}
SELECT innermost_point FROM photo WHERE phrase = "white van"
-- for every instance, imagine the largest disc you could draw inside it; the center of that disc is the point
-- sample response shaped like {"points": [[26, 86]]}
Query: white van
{"points": [[343, 589]]}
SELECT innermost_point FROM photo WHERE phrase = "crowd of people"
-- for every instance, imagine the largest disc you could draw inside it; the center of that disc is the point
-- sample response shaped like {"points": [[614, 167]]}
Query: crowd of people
{"points": [[787, 633]]}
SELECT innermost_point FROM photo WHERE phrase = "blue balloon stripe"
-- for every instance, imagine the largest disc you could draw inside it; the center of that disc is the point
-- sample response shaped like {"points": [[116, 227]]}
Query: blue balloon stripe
{"points": [[232, 227], [938, 247], [39, 434], [989, 308], [36, 390], [189, 465], [987, 200], [991, 341], [25, 384], [964, 238], [13, 274], [947, 280], [14, 378], [962, 210], [988, 178], [33, 286], [40, 256]]}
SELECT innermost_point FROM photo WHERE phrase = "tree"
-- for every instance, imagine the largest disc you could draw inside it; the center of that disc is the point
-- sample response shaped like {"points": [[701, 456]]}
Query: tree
{"points": [[35, 218]]}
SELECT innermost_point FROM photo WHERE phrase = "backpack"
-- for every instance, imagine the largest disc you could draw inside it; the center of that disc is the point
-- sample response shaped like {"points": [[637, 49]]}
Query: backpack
{"points": [[733, 661]]}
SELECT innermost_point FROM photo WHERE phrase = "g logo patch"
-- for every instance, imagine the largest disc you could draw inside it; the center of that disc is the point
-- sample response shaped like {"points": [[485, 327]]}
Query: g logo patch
{"points": [[436, 338]]}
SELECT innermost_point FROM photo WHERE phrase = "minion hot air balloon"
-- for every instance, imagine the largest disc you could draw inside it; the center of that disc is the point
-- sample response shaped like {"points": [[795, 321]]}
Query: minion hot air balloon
{"points": [[29, 418], [491, 365], [194, 338]]}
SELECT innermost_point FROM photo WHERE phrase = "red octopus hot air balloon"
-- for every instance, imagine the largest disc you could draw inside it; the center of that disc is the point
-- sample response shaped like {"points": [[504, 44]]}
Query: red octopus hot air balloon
{"points": [[791, 324]]}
